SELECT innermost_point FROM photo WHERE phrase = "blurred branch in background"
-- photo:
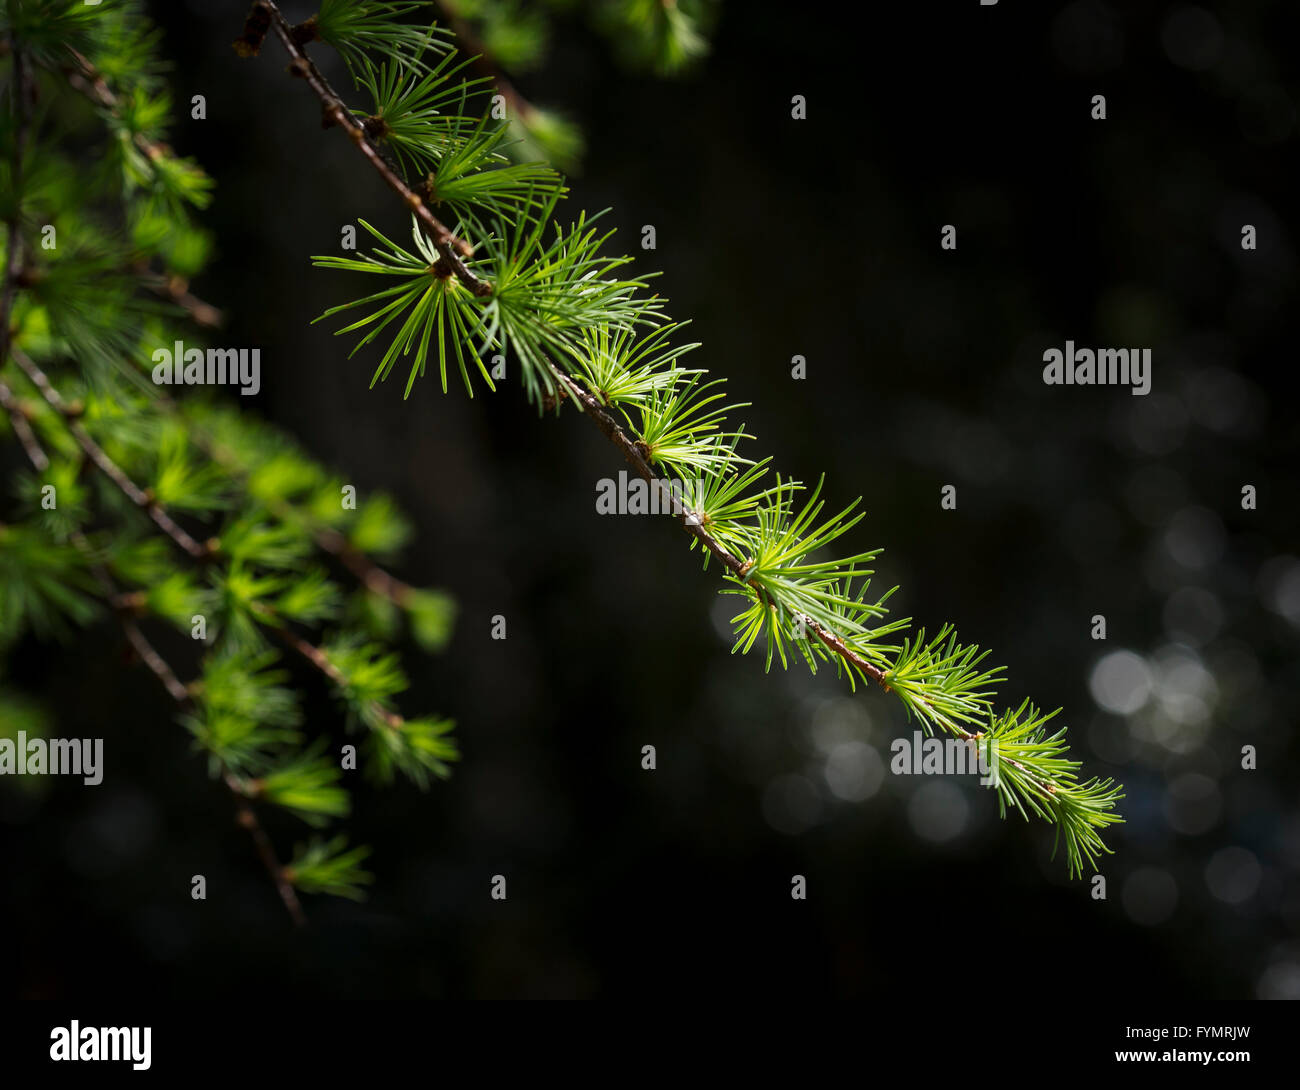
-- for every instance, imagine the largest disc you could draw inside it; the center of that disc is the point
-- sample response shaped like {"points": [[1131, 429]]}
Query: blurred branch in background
{"points": [[185, 514], [666, 37]]}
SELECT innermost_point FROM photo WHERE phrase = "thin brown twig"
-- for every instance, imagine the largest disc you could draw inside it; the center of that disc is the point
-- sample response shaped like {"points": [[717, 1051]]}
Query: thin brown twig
{"points": [[373, 577], [133, 492], [23, 429], [319, 659], [244, 813], [247, 818], [484, 63], [177, 291], [452, 248], [84, 77]]}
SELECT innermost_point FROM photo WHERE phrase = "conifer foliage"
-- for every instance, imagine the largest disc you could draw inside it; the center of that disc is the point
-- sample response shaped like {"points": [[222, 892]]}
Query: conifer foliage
{"points": [[495, 270], [134, 512]]}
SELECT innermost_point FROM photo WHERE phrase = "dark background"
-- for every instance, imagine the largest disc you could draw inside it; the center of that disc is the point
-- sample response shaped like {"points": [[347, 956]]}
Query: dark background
{"points": [[778, 237]]}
